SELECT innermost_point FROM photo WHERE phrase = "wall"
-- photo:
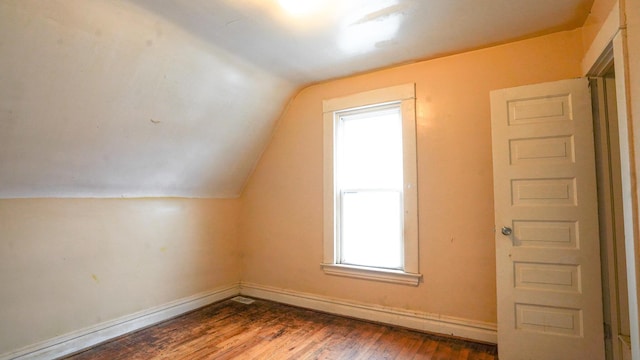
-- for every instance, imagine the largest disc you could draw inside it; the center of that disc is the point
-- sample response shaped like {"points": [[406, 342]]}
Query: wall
{"points": [[121, 100], [66, 264], [281, 215]]}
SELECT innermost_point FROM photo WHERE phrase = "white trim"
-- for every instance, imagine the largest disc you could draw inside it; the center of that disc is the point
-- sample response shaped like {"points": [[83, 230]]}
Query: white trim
{"points": [[614, 31], [82, 339], [603, 39], [405, 95], [410, 191], [368, 273], [377, 96], [628, 162], [604, 63], [417, 320], [329, 218]]}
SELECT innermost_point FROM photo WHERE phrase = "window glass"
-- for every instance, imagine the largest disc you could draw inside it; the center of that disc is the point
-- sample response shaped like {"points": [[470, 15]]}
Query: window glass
{"points": [[370, 150], [369, 182], [372, 229]]}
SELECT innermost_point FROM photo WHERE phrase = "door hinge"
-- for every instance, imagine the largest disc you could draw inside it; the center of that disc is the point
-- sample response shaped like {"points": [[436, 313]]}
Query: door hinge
{"points": [[607, 331]]}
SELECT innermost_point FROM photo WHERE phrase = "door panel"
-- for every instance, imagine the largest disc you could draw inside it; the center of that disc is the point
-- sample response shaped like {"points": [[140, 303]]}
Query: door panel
{"points": [[548, 267]]}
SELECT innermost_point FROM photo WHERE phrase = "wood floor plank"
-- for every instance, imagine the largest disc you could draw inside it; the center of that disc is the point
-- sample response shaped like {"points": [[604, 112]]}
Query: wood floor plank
{"points": [[427, 350], [412, 343], [268, 330]]}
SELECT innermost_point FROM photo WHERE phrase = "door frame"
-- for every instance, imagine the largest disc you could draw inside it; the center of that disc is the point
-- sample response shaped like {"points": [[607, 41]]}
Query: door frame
{"points": [[610, 213], [611, 45]]}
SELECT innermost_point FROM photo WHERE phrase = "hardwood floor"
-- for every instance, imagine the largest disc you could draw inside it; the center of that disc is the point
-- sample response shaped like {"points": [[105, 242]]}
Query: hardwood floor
{"points": [[267, 330]]}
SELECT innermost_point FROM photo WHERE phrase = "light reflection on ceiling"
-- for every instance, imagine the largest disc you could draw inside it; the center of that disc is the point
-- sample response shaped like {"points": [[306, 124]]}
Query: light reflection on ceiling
{"points": [[369, 26]]}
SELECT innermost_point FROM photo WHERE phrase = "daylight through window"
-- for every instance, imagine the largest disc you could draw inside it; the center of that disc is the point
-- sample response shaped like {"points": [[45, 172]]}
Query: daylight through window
{"points": [[370, 192], [369, 187]]}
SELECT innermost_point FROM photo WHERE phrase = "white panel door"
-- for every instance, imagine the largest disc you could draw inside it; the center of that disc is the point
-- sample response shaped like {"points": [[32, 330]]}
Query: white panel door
{"points": [[547, 248]]}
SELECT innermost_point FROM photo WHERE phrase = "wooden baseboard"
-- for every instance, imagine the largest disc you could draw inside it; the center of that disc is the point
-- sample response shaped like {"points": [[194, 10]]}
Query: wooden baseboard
{"points": [[434, 323], [84, 338]]}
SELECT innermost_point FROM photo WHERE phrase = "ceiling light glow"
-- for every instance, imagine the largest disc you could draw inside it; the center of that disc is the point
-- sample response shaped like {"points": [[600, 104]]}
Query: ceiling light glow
{"points": [[301, 7]]}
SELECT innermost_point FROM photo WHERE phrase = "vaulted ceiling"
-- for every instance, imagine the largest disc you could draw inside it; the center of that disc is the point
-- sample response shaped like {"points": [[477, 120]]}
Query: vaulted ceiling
{"points": [[110, 98]]}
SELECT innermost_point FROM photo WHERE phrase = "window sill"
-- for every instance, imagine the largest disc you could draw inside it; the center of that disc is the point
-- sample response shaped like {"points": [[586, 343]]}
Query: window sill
{"points": [[377, 274]]}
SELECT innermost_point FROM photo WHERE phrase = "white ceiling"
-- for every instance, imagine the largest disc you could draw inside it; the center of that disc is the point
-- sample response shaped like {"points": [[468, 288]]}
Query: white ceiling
{"points": [[104, 98], [348, 36]]}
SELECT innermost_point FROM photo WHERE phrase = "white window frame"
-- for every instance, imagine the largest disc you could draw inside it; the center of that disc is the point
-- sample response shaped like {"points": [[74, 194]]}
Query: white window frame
{"points": [[405, 96]]}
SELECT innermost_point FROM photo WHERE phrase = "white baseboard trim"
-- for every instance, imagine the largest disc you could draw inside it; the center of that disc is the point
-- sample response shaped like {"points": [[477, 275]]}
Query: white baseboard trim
{"points": [[81, 339], [434, 323], [87, 337]]}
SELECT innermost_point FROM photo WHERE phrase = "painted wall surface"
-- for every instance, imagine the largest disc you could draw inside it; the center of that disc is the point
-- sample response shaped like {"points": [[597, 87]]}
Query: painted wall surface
{"points": [[281, 216], [103, 98], [66, 264], [594, 22]]}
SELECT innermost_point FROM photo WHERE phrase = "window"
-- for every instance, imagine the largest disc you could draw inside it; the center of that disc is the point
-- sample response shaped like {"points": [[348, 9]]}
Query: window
{"points": [[370, 194]]}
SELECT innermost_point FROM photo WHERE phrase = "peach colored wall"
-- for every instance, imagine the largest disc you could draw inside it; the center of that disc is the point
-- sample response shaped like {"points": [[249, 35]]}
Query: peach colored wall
{"points": [[66, 264], [281, 215]]}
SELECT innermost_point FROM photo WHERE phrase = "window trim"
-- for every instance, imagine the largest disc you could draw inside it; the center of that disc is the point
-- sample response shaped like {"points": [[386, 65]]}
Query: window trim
{"points": [[405, 95]]}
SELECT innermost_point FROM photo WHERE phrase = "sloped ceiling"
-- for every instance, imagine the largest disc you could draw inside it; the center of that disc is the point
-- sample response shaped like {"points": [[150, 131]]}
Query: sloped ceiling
{"points": [[111, 98]]}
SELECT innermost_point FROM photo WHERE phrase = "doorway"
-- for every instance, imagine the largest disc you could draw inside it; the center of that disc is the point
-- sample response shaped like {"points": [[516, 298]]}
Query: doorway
{"points": [[610, 213]]}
